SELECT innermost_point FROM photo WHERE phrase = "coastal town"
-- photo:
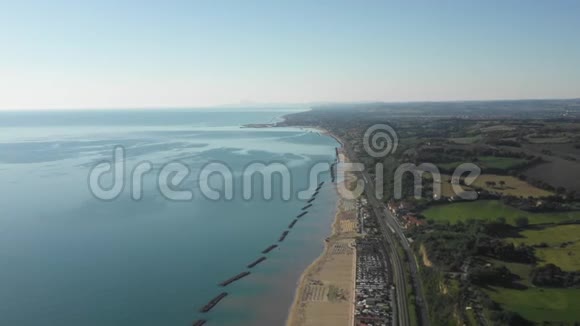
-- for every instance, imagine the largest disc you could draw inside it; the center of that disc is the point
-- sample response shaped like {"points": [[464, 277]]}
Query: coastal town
{"points": [[367, 292], [481, 249], [357, 244]]}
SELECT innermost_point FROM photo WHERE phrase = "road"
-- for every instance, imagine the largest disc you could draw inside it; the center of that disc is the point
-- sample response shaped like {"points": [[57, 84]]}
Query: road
{"points": [[386, 220], [420, 301]]}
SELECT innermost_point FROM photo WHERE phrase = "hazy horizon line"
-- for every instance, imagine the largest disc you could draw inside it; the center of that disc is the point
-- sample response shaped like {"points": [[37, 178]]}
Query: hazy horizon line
{"points": [[279, 105]]}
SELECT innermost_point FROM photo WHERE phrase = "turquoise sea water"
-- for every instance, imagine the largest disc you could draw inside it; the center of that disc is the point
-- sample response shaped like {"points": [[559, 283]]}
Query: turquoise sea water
{"points": [[67, 258]]}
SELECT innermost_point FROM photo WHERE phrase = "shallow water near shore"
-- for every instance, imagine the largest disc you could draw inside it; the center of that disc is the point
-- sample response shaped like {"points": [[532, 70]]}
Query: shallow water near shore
{"points": [[70, 259]]}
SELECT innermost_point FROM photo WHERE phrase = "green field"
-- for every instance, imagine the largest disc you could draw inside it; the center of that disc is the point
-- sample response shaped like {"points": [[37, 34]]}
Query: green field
{"points": [[567, 258], [511, 186], [488, 162], [466, 140], [540, 304], [503, 163], [490, 210], [535, 304], [519, 269], [449, 166]]}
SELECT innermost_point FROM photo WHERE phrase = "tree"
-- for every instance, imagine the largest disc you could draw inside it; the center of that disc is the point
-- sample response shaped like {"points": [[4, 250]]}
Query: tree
{"points": [[490, 275], [561, 190], [522, 221], [502, 183]]}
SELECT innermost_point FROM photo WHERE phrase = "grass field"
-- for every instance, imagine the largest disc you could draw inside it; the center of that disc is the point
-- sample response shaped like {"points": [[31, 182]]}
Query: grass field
{"points": [[488, 162], [503, 163], [446, 187], [558, 173], [567, 258], [466, 140], [536, 304], [540, 304], [513, 186], [499, 127], [519, 269], [490, 210], [555, 139]]}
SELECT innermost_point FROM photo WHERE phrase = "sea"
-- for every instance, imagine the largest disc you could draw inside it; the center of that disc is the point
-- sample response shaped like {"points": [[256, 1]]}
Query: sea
{"points": [[69, 257]]}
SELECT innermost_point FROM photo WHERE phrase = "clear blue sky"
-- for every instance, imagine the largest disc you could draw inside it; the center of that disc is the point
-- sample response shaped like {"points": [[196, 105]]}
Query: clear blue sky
{"points": [[85, 54]]}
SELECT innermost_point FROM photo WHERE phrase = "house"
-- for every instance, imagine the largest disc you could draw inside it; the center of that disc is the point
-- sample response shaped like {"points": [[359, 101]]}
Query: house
{"points": [[412, 221]]}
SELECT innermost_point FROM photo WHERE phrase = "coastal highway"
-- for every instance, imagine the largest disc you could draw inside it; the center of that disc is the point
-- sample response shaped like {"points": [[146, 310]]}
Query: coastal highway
{"points": [[420, 301], [387, 223]]}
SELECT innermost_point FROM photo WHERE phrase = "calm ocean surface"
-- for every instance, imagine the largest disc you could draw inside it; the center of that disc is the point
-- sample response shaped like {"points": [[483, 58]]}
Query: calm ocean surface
{"points": [[67, 258]]}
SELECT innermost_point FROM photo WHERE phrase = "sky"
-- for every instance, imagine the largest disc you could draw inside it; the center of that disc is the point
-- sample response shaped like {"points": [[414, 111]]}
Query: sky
{"points": [[131, 54]]}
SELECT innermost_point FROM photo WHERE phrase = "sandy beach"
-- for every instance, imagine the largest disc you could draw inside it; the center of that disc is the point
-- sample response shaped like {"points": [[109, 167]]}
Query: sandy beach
{"points": [[325, 293]]}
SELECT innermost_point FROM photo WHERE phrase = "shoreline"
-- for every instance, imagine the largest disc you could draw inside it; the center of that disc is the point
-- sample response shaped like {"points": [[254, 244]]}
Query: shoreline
{"points": [[326, 289], [302, 281], [307, 311], [293, 314]]}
